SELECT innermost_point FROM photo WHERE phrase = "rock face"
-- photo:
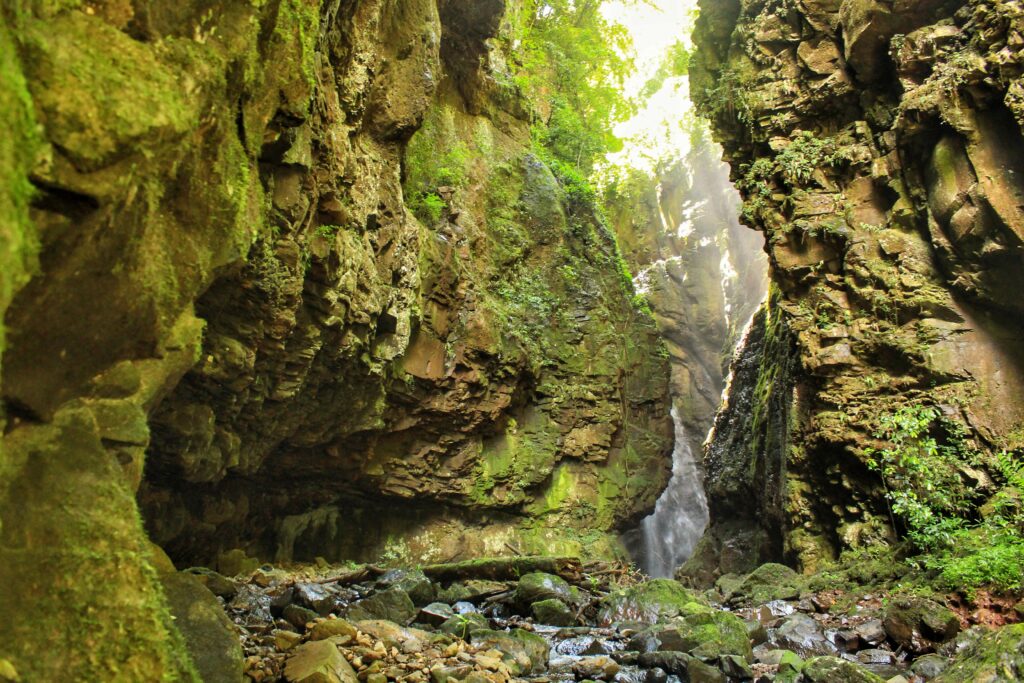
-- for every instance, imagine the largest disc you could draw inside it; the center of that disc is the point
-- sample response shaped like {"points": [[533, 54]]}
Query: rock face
{"points": [[307, 272], [877, 146]]}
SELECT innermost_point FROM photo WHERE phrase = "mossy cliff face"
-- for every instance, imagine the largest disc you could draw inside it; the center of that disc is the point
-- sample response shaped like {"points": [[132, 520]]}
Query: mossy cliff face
{"points": [[297, 262], [877, 145]]}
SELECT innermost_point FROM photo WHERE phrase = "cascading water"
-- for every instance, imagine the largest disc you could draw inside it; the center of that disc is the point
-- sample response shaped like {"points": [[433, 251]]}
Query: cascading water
{"points": [[669, 534]]}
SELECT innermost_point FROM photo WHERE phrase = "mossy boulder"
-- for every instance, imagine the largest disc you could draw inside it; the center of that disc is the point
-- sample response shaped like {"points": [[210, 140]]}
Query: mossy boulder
{"points": [[766, 583], [709, 634], [652, 602], [918, 624], [553, 612], [996, 656], [835, 670], [539, 586], [524, 652]]}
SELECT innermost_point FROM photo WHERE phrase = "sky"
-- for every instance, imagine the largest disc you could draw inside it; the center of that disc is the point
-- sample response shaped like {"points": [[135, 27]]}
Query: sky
{"points": [[655, 130]]}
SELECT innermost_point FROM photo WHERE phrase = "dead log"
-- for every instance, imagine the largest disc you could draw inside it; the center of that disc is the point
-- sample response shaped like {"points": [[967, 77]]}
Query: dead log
{"points": [[505, 569]]}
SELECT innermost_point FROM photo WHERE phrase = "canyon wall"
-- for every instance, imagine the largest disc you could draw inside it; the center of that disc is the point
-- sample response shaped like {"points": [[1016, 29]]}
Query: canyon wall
{"points": [[293, 275], [878, 147]]}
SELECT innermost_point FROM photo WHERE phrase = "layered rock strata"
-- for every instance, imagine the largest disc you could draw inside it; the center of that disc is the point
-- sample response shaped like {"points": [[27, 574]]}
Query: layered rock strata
{"points": [[877, 146]]}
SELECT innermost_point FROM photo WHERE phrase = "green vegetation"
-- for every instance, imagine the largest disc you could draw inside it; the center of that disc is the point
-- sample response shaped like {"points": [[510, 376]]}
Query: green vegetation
{"points": [[570, 65], [965, 537]]}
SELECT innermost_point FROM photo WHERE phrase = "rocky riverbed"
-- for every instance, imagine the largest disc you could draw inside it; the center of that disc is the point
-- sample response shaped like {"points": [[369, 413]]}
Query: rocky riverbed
{"points": [[501, 620]]}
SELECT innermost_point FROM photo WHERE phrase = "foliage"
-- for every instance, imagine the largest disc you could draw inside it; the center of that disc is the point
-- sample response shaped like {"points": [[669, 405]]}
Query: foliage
{"points": [[571, 64], [963, 544], [436, 157], [676, 62]]}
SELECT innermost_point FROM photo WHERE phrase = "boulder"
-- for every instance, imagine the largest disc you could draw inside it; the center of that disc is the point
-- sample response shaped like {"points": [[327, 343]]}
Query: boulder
{"points": [[766, 583], [524, 652], [803, 635], [415, 583], [330, 628], [918, 624], [706, 635], [652, 602], [537, 587], [996, 656], [211, 638], [392, 604], [553, 612], [464, 625], [835, 670]]}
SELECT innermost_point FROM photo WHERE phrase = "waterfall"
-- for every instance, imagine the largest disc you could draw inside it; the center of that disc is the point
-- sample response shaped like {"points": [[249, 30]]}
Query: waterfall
{"points": [[669, 534]]}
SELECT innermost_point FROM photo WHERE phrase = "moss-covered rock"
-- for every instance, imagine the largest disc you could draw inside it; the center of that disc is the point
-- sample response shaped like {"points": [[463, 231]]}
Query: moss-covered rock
{"points": [[707, 635], [766, 583], [835, 670], [553, 611], [211, 638], [390, 604], [996, 656], [651, 602], [918, 624], [538, 586]]}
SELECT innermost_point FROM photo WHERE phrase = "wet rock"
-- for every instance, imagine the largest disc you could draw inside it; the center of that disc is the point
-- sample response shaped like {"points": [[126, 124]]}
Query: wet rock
{"points": [[701, 672], [415, 583], [651, 602], [314, 596], [285, 640], [802, 634], [735, 666], [918, 624], [995, 656], [318, 662], [675, 663], [598, 668], [583, 645], [835, 670], [538, 586], [392, 604], [435, 614], [707, 635], [929, 666], [553, 612], [871, 632], [524, 652], [210, 637]]}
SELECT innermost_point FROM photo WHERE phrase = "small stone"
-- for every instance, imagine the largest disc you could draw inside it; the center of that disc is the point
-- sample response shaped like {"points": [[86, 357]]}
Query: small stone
{"points": [[299, 616], [871, 632], [929, 666]]}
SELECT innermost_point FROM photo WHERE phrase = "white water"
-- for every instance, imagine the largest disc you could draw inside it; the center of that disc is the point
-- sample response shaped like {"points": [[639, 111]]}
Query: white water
{"points": [[670, 533]]}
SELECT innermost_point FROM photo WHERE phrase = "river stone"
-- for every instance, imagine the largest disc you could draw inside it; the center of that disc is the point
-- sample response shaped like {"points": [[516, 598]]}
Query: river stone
{"points": [[316, 662], [654, 601], [675, 663], [929, 666], [435, 614], [553, 612], [700, 672], [524, 652], [835, 670], [299, 616], [918, 624], [314, 596], [211, 638], [415, 583], [539, 586], [803, 635], [392, 604], [996, 656]]}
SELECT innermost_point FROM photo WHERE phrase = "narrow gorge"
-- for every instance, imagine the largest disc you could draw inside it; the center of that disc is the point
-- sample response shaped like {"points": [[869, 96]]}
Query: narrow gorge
{"points": [[355, 341]]}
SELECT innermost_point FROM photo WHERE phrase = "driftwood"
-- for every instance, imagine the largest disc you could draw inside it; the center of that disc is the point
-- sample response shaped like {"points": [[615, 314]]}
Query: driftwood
{"points": [[505, 569], [364, 573]]}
